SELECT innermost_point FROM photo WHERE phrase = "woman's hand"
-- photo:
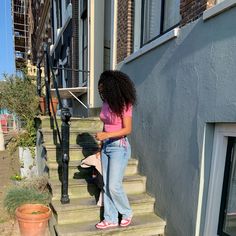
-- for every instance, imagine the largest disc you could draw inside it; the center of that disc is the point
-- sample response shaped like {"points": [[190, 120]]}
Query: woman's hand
{"points": [[101, 136]]}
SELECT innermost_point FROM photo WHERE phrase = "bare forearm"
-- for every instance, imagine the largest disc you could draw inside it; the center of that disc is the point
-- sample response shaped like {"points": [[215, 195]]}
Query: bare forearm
{"points": [[116, 134]]}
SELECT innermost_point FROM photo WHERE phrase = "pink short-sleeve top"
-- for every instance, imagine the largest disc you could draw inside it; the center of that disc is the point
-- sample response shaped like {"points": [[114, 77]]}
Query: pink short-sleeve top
{"points": [[111, 121]]}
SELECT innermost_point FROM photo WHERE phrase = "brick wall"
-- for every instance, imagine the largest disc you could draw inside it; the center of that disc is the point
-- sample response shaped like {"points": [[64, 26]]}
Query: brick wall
{"points": [[124, 29], [191, 10]]}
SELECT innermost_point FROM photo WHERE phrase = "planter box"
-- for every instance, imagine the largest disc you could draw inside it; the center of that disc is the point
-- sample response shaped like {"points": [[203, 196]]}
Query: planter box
{"points": [[28, 167]]}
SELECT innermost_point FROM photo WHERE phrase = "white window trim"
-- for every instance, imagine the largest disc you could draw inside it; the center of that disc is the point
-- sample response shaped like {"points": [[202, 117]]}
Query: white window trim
{"points": [[153, 44], [62, 63], [137, 24], [222, 132], [113, 54], [201, 186], [59, 35], [218, 8]]}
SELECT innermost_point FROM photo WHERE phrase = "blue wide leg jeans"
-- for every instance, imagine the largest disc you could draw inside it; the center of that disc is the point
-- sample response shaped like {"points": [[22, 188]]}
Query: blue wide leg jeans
{"points": [[115, 156]]}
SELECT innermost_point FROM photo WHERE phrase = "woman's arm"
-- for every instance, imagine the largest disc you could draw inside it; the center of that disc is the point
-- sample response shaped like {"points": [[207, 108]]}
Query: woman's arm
{"points": [[127, 128]]}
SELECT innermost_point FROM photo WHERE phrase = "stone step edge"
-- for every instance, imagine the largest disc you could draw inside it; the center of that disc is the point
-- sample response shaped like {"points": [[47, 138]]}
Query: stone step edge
{"points": [[89, 228], [52, 147], [90, 202], [73, 130], [53, 164], [82, 182], [95, 118]]}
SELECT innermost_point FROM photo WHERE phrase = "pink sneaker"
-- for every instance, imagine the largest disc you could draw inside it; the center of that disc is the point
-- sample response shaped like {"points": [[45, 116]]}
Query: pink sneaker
{"points": [[125, 222], [105, 225]]}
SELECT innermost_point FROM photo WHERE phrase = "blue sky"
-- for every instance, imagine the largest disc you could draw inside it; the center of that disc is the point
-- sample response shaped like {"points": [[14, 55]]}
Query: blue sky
{"points": [[7, 64]]}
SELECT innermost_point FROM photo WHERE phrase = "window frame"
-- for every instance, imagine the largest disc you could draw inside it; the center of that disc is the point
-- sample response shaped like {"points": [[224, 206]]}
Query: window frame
{"points": [[162, 20], [226, 184], [58, 14], [218, 9], [216, 177], [84, 17]]}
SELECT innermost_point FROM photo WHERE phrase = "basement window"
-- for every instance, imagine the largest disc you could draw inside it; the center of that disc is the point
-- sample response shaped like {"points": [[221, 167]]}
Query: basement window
{"points": [[227, 218]]}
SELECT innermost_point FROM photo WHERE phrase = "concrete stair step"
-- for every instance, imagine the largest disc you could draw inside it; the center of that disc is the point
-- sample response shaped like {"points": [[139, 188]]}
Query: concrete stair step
{"points": [[76, 152], [92, 123], [74, 171], [82, 209], [80, 188], [81, 137], [80, 216], [143, 225]]}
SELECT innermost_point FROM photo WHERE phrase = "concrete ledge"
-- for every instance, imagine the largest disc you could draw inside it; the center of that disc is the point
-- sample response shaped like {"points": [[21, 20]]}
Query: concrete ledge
{"points": [[155, 43], [218, 8]]}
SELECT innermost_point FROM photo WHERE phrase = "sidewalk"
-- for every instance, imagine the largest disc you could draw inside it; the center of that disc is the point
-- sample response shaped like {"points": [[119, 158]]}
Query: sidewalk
{"points": [[9, 165]]}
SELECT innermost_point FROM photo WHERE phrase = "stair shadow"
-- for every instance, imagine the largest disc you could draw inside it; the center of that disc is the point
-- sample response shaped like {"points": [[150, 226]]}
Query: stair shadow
{"points": [[89, 147], [88, 144], [55, 142], [53, 127]]}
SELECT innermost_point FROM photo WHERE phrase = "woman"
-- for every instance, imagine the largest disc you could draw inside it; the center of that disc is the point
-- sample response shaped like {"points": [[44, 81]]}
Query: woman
{"points": [[118, 94]]}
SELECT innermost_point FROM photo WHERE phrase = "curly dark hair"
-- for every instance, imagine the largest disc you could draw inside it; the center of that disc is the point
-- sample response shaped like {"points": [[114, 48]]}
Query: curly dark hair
{"points": [[117, 89]]}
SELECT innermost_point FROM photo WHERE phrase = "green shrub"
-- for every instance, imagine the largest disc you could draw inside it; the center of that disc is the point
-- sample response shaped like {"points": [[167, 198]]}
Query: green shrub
{"points": [[34, 190], [17, 196], [18, 96]]}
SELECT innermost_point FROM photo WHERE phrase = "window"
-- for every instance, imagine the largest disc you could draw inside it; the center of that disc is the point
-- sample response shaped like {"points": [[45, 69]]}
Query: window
{"points": [[84, 19], [58, 13], [158, 17], [68, 2], [227, 217]]}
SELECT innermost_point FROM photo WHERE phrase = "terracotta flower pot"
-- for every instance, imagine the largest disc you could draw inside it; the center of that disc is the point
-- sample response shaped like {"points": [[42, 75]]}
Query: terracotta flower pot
{"points": [[33, 219], [54, 104], [42, 104]]}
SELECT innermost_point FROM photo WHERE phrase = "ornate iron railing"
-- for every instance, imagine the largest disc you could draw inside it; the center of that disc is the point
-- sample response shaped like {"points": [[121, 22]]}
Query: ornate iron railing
{"points": [[64, 136]]}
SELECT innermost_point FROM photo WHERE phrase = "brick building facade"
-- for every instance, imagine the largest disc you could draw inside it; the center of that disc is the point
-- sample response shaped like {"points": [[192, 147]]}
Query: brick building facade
{"points": [[189, 10], [125, 28]]}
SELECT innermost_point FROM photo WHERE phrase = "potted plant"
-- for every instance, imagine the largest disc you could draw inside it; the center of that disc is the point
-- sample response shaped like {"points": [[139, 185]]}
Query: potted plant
{"points": [[33, 219], [28, 203], [53, 105]]}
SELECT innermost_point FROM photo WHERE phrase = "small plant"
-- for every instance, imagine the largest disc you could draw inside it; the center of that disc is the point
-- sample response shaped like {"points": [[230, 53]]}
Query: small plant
{"points": [[39, 183], [25, 138], [16, 177], [17, 196], [29, 191]]}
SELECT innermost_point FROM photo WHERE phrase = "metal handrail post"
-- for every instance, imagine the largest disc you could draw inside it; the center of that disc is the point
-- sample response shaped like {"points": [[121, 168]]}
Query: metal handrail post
{"points": [[39, 89], [47, 81], [65, 131]]}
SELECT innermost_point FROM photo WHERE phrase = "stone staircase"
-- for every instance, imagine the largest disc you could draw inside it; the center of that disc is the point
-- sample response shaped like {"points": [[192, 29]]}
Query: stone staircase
{"points": [[81, 214]]}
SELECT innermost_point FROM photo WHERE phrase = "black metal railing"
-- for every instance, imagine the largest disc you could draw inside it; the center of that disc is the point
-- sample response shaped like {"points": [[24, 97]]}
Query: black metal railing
{"points": [[64, 135]]}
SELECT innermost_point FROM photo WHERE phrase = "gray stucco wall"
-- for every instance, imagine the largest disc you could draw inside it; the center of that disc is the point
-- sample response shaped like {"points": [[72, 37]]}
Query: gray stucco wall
{"points": [[183, 85]]}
